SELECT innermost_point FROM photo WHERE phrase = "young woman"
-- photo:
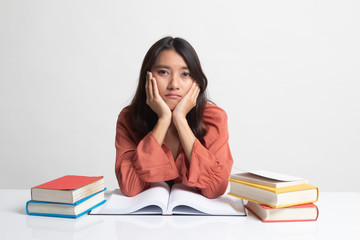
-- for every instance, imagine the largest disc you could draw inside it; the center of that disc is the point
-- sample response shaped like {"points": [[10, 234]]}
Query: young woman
{"points": [[171, 132]]}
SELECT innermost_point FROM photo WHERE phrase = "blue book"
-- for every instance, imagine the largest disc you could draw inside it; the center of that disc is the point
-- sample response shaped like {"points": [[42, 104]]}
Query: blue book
{"points": [[66, 210]]}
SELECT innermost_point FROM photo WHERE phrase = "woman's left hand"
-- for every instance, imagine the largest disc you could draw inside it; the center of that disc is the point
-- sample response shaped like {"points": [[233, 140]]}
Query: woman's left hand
{"points": [[187, 102]]}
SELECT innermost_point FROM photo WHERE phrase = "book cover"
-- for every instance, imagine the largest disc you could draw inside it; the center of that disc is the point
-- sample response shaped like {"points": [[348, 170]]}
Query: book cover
{"points": [[67, 189], [69, 182], [267, 178], [293, 188]]}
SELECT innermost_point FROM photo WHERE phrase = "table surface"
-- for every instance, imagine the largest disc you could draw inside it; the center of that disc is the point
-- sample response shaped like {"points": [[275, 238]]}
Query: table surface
{"points": [[339, 218]]}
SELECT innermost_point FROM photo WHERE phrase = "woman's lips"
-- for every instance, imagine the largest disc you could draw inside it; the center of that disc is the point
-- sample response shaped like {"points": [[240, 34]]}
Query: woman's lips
{"points": [[172, 95]]}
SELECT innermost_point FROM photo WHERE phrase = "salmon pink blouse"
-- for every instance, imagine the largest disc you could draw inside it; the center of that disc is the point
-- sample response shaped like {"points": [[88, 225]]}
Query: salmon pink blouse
{"points": [[139, 162]]}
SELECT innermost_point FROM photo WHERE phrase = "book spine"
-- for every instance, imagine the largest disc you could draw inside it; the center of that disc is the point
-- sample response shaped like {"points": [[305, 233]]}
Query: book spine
{"points": [[317, 209]]}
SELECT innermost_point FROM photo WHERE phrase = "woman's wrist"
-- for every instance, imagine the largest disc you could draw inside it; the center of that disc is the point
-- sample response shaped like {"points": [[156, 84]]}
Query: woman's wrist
{"points": [[178, 120], [160, 129], [186, 135], [164, 120]]}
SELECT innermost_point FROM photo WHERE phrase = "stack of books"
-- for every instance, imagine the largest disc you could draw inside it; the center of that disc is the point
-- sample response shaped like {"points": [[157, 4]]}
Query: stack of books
{"points": [[274, 197], [69, 196]]}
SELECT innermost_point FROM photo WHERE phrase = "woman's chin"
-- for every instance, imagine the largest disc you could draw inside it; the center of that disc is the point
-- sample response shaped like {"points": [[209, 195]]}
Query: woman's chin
{"points": [[171, 106]]}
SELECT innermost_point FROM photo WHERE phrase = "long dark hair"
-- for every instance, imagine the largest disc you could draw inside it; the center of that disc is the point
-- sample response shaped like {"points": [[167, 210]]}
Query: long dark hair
{"points": [[143, 118]]}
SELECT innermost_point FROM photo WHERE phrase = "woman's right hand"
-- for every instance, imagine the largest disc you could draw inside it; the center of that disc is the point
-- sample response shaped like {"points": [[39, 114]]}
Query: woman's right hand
{"points": [[154, 100]]}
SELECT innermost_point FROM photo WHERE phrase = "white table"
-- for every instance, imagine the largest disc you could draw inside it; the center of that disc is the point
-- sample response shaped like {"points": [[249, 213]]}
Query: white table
{"points": [[338, 219]]}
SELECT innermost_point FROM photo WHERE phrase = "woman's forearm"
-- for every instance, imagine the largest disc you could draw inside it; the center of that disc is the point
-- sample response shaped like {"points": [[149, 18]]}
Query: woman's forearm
{"points": [[186, 135], [160, 129]]}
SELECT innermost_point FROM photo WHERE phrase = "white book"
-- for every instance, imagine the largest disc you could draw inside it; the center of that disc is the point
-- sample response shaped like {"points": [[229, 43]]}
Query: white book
{"points": [[268, 178], [180, 199]]}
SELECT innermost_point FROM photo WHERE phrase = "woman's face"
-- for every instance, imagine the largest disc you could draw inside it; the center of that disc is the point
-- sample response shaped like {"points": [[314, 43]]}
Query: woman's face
{"points": [[172, 76]]}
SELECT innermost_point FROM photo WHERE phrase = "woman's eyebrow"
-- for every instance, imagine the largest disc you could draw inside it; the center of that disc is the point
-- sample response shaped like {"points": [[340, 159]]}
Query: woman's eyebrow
{"points": [[162, 66], [167, 67]]}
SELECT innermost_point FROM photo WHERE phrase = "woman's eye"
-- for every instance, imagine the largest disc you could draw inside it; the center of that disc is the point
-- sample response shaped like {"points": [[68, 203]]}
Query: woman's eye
{"points": [[186, 74], [162, 72]]}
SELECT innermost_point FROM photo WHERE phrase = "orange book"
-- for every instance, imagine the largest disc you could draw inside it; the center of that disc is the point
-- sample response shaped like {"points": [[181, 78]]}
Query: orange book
{"points": [[303, 212], [67, 189]]}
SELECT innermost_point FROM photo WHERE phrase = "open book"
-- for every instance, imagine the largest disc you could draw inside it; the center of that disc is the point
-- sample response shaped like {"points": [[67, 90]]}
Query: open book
{"points": [[180, 199]]}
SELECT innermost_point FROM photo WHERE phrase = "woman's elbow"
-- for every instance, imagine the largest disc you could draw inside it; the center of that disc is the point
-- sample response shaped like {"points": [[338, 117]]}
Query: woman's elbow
{"points": [[215, 191], [128, 193], [132, 190]]}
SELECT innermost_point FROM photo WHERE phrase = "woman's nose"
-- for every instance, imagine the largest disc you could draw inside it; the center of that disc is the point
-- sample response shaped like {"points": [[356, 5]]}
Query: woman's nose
{"points": [[174, 82]]}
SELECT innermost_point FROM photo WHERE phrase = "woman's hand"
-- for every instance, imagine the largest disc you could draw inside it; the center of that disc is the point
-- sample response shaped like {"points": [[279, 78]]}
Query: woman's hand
{"points": [[154, 100], [187, 102]]}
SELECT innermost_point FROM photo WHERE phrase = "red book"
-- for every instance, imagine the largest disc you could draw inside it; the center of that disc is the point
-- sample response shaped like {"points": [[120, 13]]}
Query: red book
{"points": [[67, 189], [303, 212]]}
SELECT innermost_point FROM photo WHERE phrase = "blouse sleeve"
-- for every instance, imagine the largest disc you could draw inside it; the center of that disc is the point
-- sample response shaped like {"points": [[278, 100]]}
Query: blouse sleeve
{"points": [[138, 163], [211, 161]]}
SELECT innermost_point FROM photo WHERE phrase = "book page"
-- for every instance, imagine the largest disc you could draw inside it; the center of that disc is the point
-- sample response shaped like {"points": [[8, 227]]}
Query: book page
{"points": [[187, 200], [276, 176], [151, 201]]}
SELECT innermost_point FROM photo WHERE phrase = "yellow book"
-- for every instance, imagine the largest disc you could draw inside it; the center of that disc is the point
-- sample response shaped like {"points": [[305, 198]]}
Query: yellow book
{"points": [[274, 197]]}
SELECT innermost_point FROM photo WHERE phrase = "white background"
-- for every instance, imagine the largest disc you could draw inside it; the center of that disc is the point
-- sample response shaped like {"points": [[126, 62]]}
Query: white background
{"points": [[286, 72]]}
